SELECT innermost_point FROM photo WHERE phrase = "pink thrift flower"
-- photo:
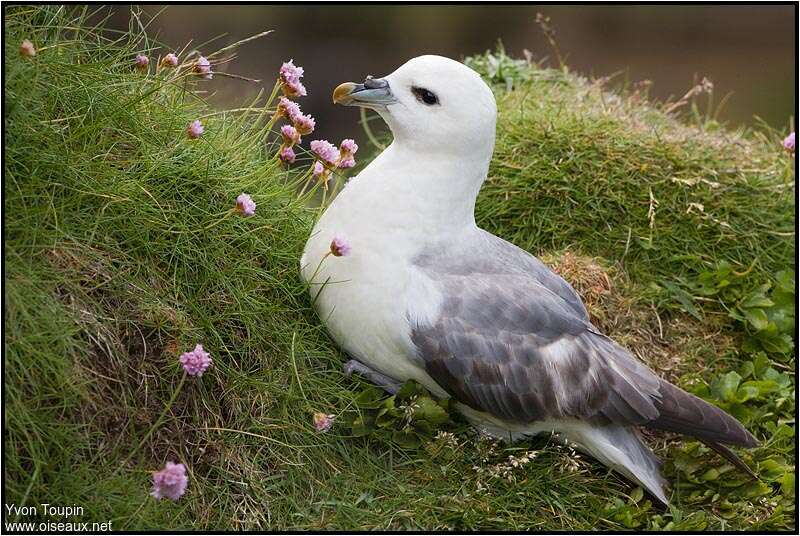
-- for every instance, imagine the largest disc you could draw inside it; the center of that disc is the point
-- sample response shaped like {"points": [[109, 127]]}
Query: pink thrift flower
{"points": [[195, 129], [142, 62], [323, 422], [348, 147], [290, 135], [304, 124], [290, 76], [319, 169], [288, 109], [347, 163], [245, 205], [326, 151], [170, 60], [287, 155], [170, 482], [290, 73], [788, 143], [203, 68], [27, 49], [196, 362], [340, 247]]}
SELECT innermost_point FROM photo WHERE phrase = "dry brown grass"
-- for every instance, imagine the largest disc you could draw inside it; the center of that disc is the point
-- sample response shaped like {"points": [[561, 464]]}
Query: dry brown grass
{"points": [[672, 345]]}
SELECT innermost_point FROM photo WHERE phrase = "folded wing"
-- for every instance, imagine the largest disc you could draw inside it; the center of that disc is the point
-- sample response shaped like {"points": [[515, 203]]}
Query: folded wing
{"points": [[507, 345]]}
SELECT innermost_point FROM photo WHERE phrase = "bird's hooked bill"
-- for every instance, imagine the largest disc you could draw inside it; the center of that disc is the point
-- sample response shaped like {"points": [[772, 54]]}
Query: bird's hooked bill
{"points": [[373, 93]]}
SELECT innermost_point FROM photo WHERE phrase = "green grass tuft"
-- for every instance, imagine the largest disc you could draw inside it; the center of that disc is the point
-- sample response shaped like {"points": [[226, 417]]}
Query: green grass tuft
{"points": [[121, 253], [633, 182]]}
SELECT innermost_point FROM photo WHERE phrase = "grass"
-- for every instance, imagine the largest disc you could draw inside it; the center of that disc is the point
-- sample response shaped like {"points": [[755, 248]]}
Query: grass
{"points": [[121, 252]]}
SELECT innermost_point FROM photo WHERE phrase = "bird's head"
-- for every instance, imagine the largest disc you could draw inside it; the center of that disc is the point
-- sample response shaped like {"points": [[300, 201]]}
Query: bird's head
{"points": [[431, 104]]}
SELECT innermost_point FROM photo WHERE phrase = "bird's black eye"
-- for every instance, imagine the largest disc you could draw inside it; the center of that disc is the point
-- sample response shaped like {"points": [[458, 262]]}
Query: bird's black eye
{"points": [[425, 96]]}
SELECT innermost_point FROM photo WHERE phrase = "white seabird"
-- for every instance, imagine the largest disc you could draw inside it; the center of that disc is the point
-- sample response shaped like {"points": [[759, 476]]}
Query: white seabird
{"points": [[427, 295]]}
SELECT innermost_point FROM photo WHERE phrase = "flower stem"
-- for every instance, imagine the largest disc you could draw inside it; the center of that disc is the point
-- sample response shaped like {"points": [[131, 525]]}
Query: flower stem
{"points": [[311, 279], [214, 224], [157, 423]]}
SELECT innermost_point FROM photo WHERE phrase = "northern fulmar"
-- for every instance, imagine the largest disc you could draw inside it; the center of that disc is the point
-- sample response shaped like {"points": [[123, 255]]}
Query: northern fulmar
{"points": [[426, 294]]}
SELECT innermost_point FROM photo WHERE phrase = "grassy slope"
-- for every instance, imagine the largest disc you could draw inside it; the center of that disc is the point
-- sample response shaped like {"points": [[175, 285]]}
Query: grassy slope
{"points": [[119, 256]]}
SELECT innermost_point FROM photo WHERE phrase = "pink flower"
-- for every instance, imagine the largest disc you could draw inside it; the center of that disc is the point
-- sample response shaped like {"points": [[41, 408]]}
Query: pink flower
{"points": [[348, 148], [290, 135], [290, 76], [142, 62], [288, 109], [340, 247], [319, 169], [287, 155], [245, 205], [326, 151], [304, 124], [203, 68], [170, 60], [788, 143], [195, 129], [170, 482], [290, 73], [323, 422], [347, 163], [196, 362], [27, 49]]}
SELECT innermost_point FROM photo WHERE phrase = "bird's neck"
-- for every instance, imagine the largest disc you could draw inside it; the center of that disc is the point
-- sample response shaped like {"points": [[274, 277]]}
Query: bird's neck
{"points": [[430, 191]]}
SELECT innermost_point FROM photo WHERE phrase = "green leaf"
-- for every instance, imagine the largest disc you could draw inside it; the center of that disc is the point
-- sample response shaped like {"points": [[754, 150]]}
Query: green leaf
{"points": [[684, 298], [406, 439], [360, 428], [771, 469], [747, 369], [757, 489], [785, 280], [747, 391], [369, 398], [756, 300], [760, 364], [725, 387], [757, 318], [762, 387], [410, 388], [787, 484], [427, 409], [711, 474]]}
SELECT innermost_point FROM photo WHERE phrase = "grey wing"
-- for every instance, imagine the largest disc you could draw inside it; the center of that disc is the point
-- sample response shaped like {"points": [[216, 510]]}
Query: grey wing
{"points": [[522, 262], [487, 254], [507, 345]]}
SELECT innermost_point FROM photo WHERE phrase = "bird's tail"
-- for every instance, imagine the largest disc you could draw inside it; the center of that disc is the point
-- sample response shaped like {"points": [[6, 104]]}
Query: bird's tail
{"points": [[684, 413], [621, 449]]}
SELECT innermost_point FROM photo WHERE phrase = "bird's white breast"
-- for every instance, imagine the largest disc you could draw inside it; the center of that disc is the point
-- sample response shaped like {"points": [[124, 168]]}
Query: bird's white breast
{"points": [[366, 297]]}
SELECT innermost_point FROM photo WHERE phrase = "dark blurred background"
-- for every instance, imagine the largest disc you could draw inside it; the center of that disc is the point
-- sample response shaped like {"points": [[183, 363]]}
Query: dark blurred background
{"points": [[748, 51]]}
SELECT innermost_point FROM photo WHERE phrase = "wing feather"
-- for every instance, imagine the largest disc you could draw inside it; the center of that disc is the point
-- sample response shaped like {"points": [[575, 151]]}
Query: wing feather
{"points": [[514, 340], [532, 358]]}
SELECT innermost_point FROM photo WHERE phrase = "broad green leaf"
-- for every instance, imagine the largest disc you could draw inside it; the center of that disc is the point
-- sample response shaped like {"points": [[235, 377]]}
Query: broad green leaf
{"points": [[406, 439], [785, 280], [756, 300], [725, 387], [747, 392], [757, 318], [787, 484], [427, 409]]}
